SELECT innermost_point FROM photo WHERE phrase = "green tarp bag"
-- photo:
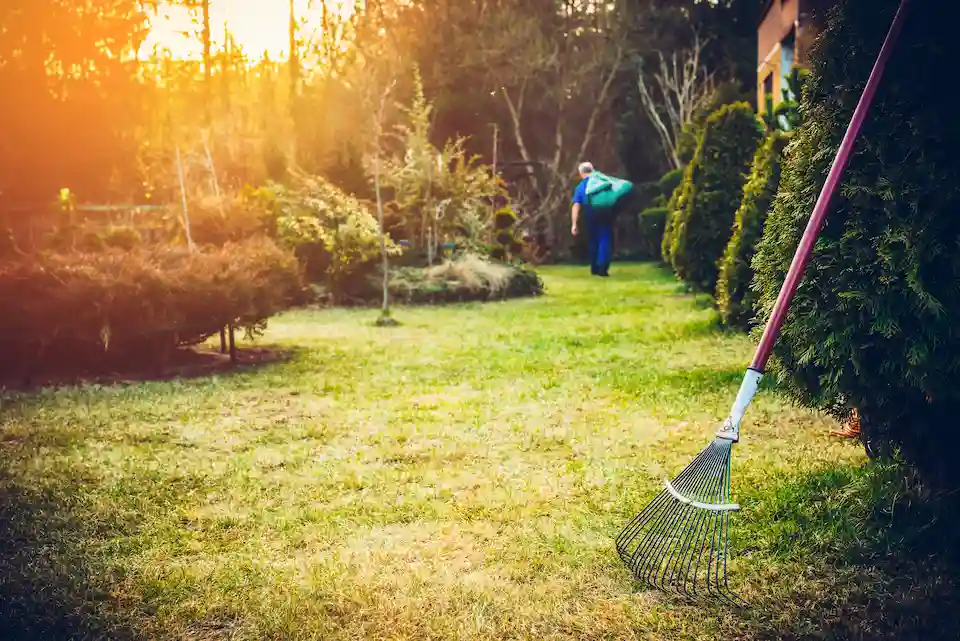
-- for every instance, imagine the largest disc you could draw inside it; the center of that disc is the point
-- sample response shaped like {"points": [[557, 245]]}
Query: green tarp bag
{"points": [[603, 191]]}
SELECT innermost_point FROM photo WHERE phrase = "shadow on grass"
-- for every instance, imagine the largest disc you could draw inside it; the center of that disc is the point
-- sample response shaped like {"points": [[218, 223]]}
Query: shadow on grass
{"points": [[852, 553], [51, 586]]}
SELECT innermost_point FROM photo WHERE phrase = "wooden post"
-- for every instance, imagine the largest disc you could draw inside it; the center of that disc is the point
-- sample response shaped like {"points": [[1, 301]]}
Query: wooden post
{"points": [[233, 346], [183, 199], [223, 340]]}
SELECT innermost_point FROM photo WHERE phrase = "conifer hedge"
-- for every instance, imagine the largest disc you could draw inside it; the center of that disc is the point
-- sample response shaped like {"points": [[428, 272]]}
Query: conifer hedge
{"points": [[874, 322], [735, 301], [711, 192]]}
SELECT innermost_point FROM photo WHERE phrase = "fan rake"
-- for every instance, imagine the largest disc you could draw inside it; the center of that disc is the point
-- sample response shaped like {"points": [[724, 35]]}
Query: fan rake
{"points": [[679, 542]]}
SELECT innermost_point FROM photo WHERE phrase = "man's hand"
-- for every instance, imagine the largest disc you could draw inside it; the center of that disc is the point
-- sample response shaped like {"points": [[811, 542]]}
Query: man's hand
{"points": [[574, 230]]}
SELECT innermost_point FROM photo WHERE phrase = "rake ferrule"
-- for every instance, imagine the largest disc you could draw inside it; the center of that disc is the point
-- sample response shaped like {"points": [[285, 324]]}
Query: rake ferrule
{"points": [[730, 429]]}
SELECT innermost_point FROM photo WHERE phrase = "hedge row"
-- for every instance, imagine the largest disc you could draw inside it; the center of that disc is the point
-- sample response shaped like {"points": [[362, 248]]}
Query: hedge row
{"points": [[138, 303], [735, 300], [711, 191], [873, 326]]}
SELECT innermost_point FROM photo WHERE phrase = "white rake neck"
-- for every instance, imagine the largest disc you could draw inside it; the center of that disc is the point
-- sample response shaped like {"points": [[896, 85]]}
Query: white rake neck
{"points": [[730, 429]]}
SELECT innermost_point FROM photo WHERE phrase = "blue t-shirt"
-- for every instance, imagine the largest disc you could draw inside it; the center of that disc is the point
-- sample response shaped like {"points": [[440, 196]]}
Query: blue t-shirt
{"points": [[580, 196]]}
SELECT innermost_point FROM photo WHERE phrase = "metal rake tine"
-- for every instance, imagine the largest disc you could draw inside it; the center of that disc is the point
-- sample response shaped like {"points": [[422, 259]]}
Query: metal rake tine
{"points": [[668, 517], [697, 542], [656, 506], [699, 556], [688, 513], [699, 532]]}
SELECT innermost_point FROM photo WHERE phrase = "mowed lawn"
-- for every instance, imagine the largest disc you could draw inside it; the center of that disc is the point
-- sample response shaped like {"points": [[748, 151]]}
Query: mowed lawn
{"points": [[462, 476]]}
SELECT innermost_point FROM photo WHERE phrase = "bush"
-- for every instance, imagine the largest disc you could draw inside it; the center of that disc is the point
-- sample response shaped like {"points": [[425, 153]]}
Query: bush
{"points": [[466, 278], [139, 303], [652, 221], [226, 219], [711, 192], [669, 183], [735, 301], [873, 325], [507, 240], [670, 225], [333, 233]]}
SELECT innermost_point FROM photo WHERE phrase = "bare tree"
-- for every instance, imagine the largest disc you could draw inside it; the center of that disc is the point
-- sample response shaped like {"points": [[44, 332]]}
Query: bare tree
{"points": [[672, 92], [385, 319], [558, 70]]}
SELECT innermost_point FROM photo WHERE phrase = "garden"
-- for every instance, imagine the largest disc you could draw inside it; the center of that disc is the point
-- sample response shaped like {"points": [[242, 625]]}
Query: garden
{"points": [[297, 344]]}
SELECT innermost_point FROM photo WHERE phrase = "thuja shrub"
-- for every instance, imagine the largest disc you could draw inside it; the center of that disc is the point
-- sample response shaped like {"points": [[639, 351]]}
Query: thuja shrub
{"points": [[507, 242], [711, 192], [142, 302], [668, 184], [874, 322], [735, 300], [652, 221], [670, 224]]}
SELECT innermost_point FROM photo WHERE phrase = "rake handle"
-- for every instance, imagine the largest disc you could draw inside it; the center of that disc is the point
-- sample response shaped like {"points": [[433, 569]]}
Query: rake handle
{"points": [[805, 249]]}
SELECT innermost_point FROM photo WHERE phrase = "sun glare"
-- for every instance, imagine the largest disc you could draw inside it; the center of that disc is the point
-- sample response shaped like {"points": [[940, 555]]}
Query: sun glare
{"points": [[258, 26]]}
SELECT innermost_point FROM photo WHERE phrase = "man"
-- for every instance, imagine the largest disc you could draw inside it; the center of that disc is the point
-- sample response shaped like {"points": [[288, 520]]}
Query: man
{"points": [[599, 225]]}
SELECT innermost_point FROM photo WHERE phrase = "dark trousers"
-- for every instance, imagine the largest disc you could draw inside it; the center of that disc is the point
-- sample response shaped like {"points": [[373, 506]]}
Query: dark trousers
{"points": [[601, 247]]}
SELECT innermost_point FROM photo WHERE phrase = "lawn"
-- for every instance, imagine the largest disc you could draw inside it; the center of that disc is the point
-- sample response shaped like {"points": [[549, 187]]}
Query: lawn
{"points": [[462, 476]]}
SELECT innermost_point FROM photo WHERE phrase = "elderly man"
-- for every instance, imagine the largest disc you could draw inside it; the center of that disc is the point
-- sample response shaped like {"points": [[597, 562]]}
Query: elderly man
{"points": [[599, 225]]}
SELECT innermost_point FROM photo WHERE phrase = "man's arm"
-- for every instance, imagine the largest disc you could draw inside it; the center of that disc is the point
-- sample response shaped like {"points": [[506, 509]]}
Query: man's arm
{"points": [[579, 200]]}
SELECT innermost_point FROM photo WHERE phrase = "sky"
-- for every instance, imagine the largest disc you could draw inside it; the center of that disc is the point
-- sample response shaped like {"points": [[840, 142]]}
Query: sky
{"points": [[256, 25]]}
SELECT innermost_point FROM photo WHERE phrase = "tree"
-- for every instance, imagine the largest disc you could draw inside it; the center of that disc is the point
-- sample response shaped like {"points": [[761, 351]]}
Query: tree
{"points": [[710, 194], [672, 93], [59, 63], [872, 325], [385, 319]]}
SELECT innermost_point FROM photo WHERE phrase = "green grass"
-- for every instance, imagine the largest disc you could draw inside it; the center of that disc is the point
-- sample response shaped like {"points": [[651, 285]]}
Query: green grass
{"points": [[461, 476]]}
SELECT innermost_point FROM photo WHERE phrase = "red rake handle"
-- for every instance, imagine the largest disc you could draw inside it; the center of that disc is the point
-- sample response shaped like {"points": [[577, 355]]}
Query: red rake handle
{"points": [[804, 250]]}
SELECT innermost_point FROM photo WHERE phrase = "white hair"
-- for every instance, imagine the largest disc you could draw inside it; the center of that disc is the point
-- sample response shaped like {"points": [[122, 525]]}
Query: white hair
{"points": [[585, 168]]}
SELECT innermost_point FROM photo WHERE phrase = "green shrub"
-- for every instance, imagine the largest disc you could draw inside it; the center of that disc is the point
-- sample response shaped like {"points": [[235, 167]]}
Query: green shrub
{"points": [[334, 234], [874, 326], [466, 278], [139, 303], [668, 185], [670, 225], [652, 221], [669, 182], [226, 219], [711, 192], [507, 242], [735, 301]]}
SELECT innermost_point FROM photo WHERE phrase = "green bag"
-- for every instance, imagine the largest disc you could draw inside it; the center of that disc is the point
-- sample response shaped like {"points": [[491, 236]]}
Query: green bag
{"points": [[604, 192]]}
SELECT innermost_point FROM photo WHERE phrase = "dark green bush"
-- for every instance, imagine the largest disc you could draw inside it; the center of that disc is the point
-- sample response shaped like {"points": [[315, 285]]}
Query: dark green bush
{"points": [[669, 182], [507, 240], [651, 221], [735, 301], [711, 192], [90, 308], [874, 322], [670, 225]]}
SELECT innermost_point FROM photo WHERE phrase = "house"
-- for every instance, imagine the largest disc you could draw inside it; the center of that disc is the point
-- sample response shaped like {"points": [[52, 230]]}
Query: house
{"points": [[786, 32]]}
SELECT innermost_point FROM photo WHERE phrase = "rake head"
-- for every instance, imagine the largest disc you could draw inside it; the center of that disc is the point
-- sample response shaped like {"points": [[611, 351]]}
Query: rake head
{"points": [[678, 543]]}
